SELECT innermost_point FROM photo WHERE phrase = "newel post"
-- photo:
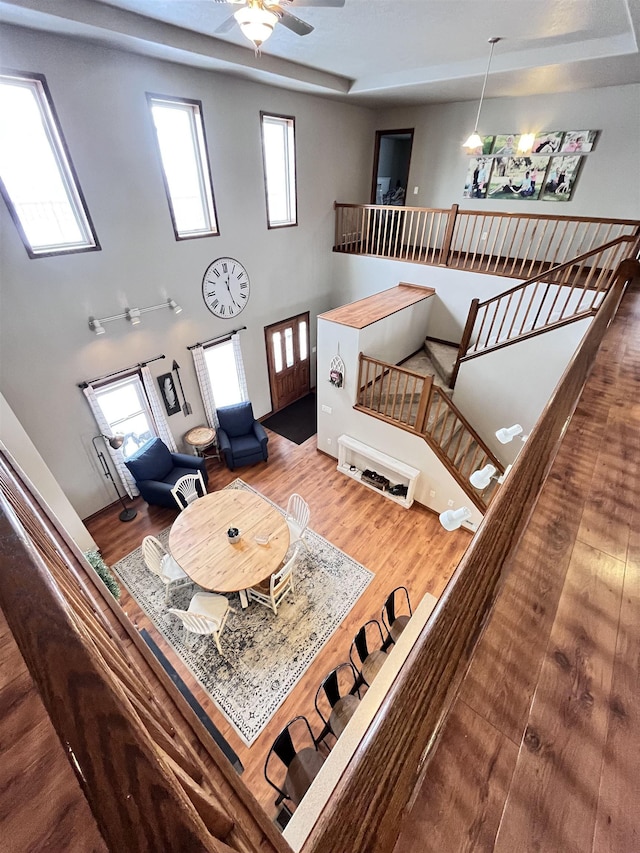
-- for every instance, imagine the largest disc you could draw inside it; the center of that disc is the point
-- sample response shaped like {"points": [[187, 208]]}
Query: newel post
{"points": [[448, 235], [465, 340]]}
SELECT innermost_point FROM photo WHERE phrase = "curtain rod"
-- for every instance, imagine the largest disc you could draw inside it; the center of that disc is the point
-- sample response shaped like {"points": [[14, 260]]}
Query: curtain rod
{"points": [[218, 338], [118, 372]]}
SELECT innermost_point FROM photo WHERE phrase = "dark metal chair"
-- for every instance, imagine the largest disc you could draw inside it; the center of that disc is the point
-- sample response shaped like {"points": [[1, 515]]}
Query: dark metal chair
{"points": [[393, 619], [367, 646], [338, 696], [297, 749]]}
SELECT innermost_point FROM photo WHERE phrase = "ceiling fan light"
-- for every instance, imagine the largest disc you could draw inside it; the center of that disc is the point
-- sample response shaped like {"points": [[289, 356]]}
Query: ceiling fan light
{"points": [[256, 23]]}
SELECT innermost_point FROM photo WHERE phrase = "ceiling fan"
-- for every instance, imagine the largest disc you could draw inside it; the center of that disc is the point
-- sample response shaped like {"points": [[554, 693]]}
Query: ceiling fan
{"points": [[257, 18]]}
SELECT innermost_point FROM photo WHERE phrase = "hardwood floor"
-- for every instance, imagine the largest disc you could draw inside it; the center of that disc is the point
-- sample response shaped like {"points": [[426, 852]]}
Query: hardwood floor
{"points": [[407, 547], [540, 752]]}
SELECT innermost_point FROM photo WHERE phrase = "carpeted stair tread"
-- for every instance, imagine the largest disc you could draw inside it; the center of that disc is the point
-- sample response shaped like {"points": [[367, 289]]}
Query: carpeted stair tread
{"points": [[443, 357]]}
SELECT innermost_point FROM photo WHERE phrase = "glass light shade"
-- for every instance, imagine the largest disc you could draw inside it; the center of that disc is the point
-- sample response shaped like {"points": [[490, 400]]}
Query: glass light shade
{"points": [[506, 434], [452, 519], [473, 142], [256, 23], [481, 479], [526, 142]]}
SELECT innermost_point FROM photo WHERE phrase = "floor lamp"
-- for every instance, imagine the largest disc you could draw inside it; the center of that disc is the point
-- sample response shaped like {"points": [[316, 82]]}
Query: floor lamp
{"points": [[115, 441]]}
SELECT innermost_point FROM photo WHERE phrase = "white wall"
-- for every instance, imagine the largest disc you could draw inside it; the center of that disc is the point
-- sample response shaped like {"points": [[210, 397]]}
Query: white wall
{"points": [[513, 385], [46, 347], [21, 450], [609, 183]]}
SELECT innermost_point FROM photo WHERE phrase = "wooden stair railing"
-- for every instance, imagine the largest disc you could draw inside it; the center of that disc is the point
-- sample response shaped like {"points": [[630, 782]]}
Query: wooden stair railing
{"points": [[518, 245], [364, 812], [413, 402], [148, 787], [564, 294]]}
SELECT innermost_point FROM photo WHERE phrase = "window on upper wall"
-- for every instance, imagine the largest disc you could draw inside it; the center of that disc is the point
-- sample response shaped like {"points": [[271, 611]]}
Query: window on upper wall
{"points": [[185, 165], [37, 178], [125, 406], [279, 156]]}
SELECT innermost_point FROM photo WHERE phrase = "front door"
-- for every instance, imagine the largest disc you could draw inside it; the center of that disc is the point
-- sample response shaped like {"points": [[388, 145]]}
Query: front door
{"points": [[288, 360]]}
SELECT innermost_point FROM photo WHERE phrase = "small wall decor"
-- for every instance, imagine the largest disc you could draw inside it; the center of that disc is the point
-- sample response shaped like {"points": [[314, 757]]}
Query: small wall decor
{"points": [[336, 372], [500, 170], [169, 393]]}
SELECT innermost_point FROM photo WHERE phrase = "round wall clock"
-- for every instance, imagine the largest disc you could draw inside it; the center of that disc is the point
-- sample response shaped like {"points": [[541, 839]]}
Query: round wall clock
{"points": [[225, 287]]}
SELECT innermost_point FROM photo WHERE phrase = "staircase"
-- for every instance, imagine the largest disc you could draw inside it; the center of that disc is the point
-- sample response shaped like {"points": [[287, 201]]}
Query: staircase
{"points": [[419, 403]]}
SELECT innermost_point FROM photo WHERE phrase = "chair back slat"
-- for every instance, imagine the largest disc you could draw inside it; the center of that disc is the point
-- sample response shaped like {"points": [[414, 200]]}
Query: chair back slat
{"points": [[153, 553], [188, 489]]}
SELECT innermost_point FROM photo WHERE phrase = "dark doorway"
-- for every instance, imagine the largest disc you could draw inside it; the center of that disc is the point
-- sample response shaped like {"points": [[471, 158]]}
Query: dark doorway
{"points": [[391, 159]]}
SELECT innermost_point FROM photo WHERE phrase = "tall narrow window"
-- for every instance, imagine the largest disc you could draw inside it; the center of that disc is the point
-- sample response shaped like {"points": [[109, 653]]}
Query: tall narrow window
{"points": [[185, 165], [224, 375], [279, 156], [37, 178]]}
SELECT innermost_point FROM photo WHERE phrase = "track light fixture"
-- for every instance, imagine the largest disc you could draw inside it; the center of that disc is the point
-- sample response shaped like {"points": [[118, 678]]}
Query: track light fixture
{"points": [[133, 315], [452, 519], [480, 479], [507, 434]]}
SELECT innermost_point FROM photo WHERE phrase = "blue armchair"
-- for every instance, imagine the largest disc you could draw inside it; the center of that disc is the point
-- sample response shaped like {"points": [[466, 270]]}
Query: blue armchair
{"points": [[156, 471], [241, 439]]}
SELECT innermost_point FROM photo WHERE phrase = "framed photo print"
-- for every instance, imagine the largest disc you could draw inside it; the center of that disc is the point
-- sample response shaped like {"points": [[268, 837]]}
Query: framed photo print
{"points": [[547, 142], [561, 178], [578, 141], [506, 145], [477, 180], [169, 393], [517, 177]]}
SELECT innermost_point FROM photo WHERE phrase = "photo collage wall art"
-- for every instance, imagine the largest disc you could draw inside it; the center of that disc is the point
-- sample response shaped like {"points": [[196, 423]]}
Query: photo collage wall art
{"points": [[548, 172]]}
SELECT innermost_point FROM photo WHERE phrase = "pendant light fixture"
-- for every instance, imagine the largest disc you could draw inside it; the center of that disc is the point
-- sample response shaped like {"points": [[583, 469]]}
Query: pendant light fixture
{"points": [[474, 142]]}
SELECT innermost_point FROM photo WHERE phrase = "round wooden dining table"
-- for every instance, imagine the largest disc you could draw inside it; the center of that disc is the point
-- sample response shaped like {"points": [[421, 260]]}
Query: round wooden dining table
{"points": [[199, 543]]}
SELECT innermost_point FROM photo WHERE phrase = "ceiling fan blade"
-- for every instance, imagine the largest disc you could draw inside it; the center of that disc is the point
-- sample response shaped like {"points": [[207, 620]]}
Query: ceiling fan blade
{"points": [[227, 25], [294, 24]]}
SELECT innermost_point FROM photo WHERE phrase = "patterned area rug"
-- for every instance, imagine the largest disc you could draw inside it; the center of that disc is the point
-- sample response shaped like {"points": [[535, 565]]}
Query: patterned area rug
{"points": [[264, 655]]}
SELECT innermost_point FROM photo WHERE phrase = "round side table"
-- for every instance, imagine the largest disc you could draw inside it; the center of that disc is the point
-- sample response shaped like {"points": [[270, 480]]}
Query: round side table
{"points": [[203, 438]]}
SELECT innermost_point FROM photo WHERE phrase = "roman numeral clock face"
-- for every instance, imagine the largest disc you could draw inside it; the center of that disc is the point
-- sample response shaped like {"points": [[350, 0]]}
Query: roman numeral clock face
{"points": [[225, 287]]}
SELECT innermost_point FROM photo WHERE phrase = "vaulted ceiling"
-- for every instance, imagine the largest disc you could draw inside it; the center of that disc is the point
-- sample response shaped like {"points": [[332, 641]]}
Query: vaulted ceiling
{"points": [[374, 52]]}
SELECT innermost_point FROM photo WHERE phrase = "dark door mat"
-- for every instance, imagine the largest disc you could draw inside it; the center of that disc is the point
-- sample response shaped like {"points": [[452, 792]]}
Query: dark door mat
{"points": [[193, 702], [297, 422]]}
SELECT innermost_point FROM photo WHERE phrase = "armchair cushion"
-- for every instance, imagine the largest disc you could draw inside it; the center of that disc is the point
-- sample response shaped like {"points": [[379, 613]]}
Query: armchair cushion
{"points": [[156, 471], [241, 439]]}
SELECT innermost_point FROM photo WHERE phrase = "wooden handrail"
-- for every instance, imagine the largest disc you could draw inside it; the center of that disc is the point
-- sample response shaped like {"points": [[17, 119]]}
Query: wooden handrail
{"points": [[388, 764]]}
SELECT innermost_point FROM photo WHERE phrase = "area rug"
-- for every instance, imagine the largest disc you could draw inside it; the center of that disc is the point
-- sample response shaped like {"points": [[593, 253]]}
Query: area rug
{"points": [[264, 655], [297, 422]]}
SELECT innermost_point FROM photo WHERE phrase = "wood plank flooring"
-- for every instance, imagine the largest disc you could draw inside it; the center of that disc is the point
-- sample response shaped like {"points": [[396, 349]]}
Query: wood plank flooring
{"points": [[554, 685], [400, 546]]}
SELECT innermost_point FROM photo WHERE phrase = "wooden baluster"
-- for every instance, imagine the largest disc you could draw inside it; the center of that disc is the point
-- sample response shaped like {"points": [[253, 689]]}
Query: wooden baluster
{"points": [[448, 237], [423, 405]]}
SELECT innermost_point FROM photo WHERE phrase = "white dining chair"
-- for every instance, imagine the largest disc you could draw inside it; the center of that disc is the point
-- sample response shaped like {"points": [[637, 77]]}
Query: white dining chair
{"points": [[162, 564], [207, 614], [188, 489], [297, 518], [272, 591]]}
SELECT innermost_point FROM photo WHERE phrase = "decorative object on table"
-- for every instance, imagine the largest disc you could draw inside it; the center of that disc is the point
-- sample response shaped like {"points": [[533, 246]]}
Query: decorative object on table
{"points": [[241, 439], [264, 655], [336, 372], [225, 287], [375, 479], [234, 534], [94, 558], [114, 441], [169, 393], [186, 407], [156, 471]]}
